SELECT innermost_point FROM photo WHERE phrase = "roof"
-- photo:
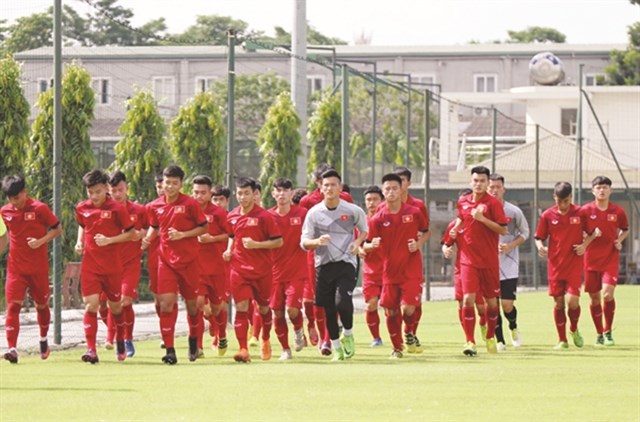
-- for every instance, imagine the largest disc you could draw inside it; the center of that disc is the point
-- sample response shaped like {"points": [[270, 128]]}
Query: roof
{"points": [[482, 126]]}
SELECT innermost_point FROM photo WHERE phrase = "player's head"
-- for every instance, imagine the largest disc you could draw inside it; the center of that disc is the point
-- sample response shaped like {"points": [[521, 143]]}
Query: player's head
{"points": [[346, 188], [405, 175], [257, 194], [372, 198], [282, 191], [172, 177], [220, 196], [201, 189], [480, 179], [158, 180], [496, 186], [331, 185], [96, 183], [14, 188], [118, 186], [245, 191], [392, 187], [319, 171], [298, 194], [601, 188], [562, 195]]}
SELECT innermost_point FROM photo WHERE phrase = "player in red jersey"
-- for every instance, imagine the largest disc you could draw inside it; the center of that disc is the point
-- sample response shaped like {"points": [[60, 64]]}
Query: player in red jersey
{"points": [[372, 269], [602, 258], [31, 226], [103, 225], [220, 196], [179, 220], [481, 218], [289, 268], [394, 229], [253, 234], [213, 286], [562, 225]]}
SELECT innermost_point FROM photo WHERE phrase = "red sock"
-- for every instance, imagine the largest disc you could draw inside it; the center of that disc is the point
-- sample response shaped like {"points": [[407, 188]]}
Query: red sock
{"points": [[492, 320], [12, 324], [373, 322], [129, 319], [44, 319], [195, 324], [104, 314], [561, 323], [417, 315], [111, 327], [409, 322], [596, 315], [119, 322], [282, 332], [267, 322], [469, 322], [394, 326], [174, 313], [90, 322], [213, 325], [241, 326], [482, 316], [308, 311], [574, 316], [221, 320], [298, 321], [609, 312], [320, 321], [167, 328], [256, 322]]}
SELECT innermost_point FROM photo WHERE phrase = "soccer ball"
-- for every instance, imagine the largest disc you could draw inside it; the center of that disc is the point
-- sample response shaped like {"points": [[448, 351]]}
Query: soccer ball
{"points": [[546, 69]]}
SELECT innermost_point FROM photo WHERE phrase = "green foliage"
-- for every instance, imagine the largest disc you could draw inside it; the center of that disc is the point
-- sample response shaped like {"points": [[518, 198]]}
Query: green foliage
{"points": [[279, 143], [212, 30], [14, 119], [78, 100], [198, 138], [325, 134], [29, 32], [536, 34], [625, 65], [142, 152], [314, 37]]}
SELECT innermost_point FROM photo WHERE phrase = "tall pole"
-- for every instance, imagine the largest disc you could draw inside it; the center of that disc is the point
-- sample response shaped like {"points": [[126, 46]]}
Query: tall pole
{"points": [[345, 124], [407, 157], [299, 74], [427, 181], [231, 82], [374, 122], [534, 211], [578, 186], [494, 132]]}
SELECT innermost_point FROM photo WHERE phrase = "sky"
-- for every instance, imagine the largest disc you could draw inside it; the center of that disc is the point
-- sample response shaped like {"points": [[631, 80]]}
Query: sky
{"points": [[397, 22]]}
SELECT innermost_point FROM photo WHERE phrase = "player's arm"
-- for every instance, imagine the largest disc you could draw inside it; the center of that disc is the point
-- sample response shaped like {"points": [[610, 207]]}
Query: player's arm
{"points": [[307, 241], [226, 255], [274, 243], [542, 249], [453, 233], [208, 238], [51, 234], [622, 235], [126, 236], [194, 232], [586, 241], [152, 232], [355, 245], [416, 245]]}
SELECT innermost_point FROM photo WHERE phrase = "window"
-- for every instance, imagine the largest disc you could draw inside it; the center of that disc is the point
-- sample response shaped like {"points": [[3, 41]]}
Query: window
{"points": [[44, 84], [485, 83], [164, 90], [204, 83], [314, 83], [568, 119], [591, 79], [424, 79], [102, 89]]}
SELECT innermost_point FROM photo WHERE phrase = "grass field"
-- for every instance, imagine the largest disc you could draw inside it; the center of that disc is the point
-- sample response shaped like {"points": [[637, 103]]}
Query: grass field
{"points": [[533, 383]]}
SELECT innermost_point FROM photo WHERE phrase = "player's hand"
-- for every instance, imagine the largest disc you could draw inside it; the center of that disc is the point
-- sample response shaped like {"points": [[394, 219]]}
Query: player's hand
{"points": [[353, 248], [33, 242], [579, 249], [79, 248], [478, 213], [447, 251], [226, 255], [175, 234], [138, 235], [101, 240], [413, 245], [453, 233], [597, 232], [249, 243], [145, 243], [617, 244], [375, 242], [505, 248], [362, 253], [324, 240], [205, 238], [543, 251]]}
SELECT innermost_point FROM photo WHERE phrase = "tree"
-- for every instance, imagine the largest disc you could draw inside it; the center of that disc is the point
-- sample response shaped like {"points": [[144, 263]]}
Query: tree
{"points": [[625, 65], [212, 30], [325, 134], [198, 138], [279, 144], [142, 152], [14, 119], [536, 34], [78, 101], [29, 32]]}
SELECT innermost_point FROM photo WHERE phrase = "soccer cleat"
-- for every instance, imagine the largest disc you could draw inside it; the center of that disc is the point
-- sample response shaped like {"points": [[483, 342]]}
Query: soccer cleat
{"points": [[325, 349], [419, 348], [577, 338], [413, 344], [608, 339], [376, 342], [253, 342], [299, 340], [242, 356], [348, 346], [286, 355], [200, 353], [492, 347], [469, 349], [131, 351], [483, 332], [11, 355], [396, 354], [170, 358], [313, 336], [338, 355], [561, 345], [108, 345], [121, 350], [44, 349], [599, 340], [516, 339], [193, 349], [90, 356], [222, 346], [265, 350], [502, 347]]}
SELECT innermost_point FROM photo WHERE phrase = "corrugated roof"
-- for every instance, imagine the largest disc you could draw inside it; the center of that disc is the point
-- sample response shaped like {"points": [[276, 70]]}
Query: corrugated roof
{"points": [[482, 126]]}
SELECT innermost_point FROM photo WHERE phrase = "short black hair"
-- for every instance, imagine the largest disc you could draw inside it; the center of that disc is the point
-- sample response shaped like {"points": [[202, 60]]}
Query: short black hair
{"points": [[258, 185], [392, 177], [95, 177], [298, 194], [246, 182], [464, 192], [481, 170], [562, 189], [221, 190], [13, 185], [202, 180], [159, 177], [403, 171], [321, 169], [496, 176], [346, 188], [117, 177], [331, 173], [374, 189], [601, 180], [173, 171], [283, 183]]}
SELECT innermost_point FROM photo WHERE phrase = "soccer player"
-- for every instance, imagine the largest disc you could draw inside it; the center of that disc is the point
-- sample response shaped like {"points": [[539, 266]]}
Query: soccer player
{"points": [[289, 268], [481, 218], [179, 220], [372, 269], [329, 230], [517, 234], [153, 250], [31, 226], [298, 194], [394, 229], [562, 225], [220, 196], [253, 234], [602, 257], [103, 226], [213, 281]]}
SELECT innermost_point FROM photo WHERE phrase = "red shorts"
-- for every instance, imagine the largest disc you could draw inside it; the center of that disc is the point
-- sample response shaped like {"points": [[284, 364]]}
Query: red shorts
{"points": [[407, 293], [38, 284], [287, 294], [94, 284], [131, 278], [594, 280], [309, 292], [480, 280], [258, 289], [152, 265], [561, 287], [214, 288], [457, 288], [183, 280], [371, 288]]}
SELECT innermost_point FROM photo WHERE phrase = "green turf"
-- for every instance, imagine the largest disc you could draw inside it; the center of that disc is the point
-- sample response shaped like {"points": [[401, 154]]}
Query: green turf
{"points": [[533, 383]]}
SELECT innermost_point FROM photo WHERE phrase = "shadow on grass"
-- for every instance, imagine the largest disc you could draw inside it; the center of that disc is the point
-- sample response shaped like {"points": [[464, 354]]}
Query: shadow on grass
{"points": [[121, 390]]}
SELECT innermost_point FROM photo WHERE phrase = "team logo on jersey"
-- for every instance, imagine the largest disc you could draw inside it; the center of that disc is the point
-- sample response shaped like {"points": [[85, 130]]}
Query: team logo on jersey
{"points": [[344, 217], [252, 221], [29, 216], [509, 219], [574, 220], [386, 223], [209, 218], [133, 218], [612, 217], [295, 221], [8, 217], [234, 221], [407, 218], [86, 214], [464, 207], [160, 211], [554, 221], [593, 216], [179, 209], [105, 214]]}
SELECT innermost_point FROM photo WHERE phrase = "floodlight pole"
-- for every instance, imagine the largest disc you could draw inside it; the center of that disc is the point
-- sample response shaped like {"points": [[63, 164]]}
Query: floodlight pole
{"points": [[345, 124], [231, 75], [578, 186]]}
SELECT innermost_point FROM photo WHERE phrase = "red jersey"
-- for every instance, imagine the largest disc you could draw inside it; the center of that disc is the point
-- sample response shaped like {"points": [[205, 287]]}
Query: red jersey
{"points": [[415, 202], [33, 220], [447, 240], [259, 225], [210, 259], [373, 263], [110, 219], [138, 216], [479, 244], [290, 260], [183, 214], [564, 231], [395, 231], [315, 197], [601, 254]]}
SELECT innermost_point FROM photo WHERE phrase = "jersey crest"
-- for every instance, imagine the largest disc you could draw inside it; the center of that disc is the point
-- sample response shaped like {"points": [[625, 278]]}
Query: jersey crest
{"points": [[612, 217], [252, 222], [105, 215], [29, 216], [574, 220], [180, 209]]}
